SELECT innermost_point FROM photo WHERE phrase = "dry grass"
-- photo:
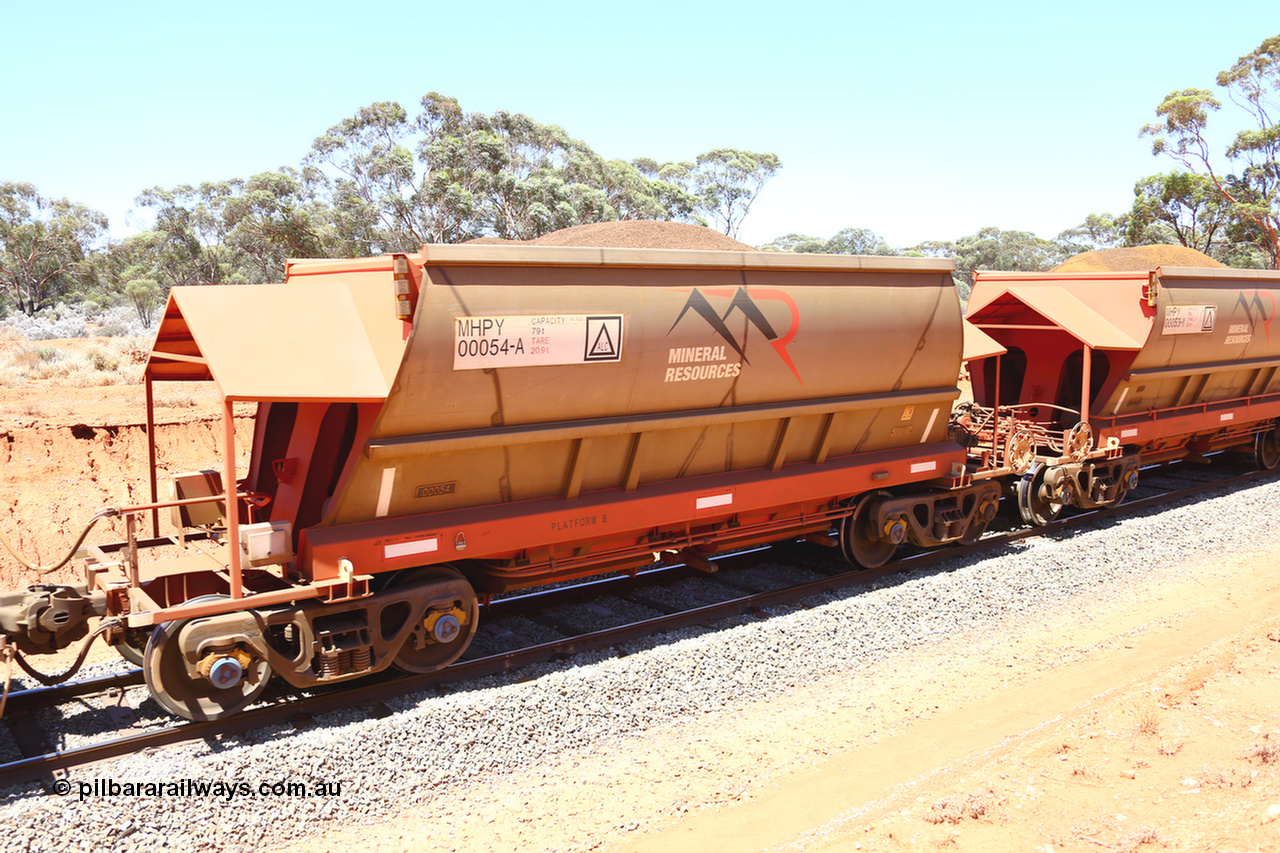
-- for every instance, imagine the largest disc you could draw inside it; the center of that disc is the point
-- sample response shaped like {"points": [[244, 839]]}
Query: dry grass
{"points": [[953, 809], [1140, 836], [1080, 768], [175, 400], [89, 366], [1095, 832], [1265, 753], [1224, 777], [1146, 718]]}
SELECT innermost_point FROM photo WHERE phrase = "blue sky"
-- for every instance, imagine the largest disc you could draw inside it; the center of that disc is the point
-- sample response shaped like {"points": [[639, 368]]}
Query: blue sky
{"points": [[917, 120]]}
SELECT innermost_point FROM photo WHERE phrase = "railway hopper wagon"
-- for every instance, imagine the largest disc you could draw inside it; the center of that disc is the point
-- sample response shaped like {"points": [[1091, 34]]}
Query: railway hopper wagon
{"points": [[435, 428], [1096, 372]]}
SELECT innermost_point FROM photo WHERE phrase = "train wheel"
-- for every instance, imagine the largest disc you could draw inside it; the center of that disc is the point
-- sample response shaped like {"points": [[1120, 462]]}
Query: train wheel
{"points": [[1266, 450], [443, 635], [858, 540], [974, 532], [133, 647], [199, 698], [1035, 506]]}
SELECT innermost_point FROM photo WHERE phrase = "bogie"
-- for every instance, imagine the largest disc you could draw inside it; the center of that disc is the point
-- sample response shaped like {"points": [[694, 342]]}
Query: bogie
{"points": [[880, 521]]}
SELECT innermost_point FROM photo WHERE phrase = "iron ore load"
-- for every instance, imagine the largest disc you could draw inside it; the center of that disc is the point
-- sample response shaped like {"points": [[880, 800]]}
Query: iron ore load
{"points": [[435, 428]]}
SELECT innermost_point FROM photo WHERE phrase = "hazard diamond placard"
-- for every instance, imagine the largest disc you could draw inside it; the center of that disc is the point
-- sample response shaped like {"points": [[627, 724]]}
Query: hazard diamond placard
{"points": [[604, 338]]}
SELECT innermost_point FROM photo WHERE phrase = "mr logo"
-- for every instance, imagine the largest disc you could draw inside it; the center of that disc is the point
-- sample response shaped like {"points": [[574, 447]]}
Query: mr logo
{"points": [[744, 300], [1256, 309]]}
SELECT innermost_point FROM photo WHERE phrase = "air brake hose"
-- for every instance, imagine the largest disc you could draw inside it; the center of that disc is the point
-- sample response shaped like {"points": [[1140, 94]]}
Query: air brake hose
{"points": [[105, 512], [48, 680]]}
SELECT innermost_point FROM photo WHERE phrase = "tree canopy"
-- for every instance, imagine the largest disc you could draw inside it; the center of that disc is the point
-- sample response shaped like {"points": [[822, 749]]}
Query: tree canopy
{"points": [[723, 183], [449, 176], [847, 241], [995, 249], [44, 244], [1251, 193]]}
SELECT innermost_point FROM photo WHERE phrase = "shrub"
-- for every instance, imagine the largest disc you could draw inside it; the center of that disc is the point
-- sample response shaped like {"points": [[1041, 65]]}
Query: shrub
{"points": [[75, 321]]}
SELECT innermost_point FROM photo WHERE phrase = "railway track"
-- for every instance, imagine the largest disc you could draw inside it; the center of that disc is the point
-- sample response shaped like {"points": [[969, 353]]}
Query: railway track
{"points": [[535, 627]]}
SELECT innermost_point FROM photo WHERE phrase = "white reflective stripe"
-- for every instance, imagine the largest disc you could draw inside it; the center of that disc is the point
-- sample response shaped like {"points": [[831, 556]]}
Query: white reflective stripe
{"points": [[384, 492], [1128, 433], [715, 500], [917, 467], [418, 546], [1123, 394], [933, 417], [1227, 416]]}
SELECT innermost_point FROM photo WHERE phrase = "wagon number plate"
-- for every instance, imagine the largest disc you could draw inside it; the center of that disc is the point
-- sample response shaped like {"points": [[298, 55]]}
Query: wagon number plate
{"points": [[533, 340]]}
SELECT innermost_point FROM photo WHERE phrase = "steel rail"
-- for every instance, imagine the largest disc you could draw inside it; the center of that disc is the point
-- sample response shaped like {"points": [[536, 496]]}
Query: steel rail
{"points": [[35, 698], [361, 692]]}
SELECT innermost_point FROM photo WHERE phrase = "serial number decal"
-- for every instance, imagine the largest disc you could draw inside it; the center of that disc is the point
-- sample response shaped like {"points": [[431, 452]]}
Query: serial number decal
{"points": [[436, 489], [1189, 319], [530, 340]]}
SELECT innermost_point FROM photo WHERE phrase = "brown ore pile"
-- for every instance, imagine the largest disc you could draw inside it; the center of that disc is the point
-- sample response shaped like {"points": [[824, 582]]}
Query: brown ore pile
{"points": [[632, 234], [1137, 258]]}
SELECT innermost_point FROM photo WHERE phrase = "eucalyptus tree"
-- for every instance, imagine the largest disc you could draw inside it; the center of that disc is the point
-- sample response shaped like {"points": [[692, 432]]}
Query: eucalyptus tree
{"points": [[1252, 191], [799, 243], [373, 186], [858, 241], [725, 181], [993, 249], [44, 246], [186, 240], [847, 241], [449, 175], [1098, 231], [269, 218], [1178, 207], [133, 269]]}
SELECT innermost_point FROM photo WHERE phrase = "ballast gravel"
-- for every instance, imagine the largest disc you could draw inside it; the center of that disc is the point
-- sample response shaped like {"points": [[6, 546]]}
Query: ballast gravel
{"points": [[434, 747]]}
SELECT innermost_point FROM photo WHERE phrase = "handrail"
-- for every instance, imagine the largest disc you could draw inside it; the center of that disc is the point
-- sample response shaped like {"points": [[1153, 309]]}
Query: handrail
{"points": [[255, 500]]}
